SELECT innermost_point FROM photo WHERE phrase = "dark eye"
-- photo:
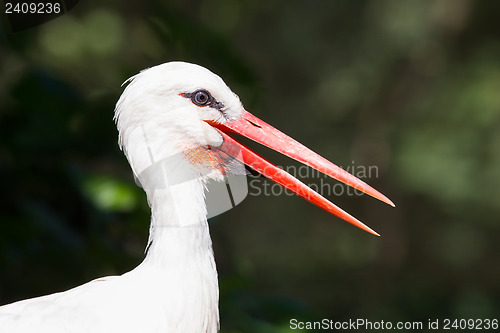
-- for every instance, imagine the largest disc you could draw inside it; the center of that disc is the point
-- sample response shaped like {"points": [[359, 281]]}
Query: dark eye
{"points": [[201, 98]]}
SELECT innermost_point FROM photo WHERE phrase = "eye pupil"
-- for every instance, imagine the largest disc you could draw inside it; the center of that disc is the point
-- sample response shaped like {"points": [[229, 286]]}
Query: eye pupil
{"points": [[201, 98]]}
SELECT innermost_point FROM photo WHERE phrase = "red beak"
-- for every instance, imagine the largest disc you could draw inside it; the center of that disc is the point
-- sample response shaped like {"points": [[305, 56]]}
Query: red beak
{"points": [[254, 128]]}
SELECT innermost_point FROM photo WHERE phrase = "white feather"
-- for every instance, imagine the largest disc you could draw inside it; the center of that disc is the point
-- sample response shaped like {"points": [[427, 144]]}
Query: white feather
{"points": [[175, 288]]}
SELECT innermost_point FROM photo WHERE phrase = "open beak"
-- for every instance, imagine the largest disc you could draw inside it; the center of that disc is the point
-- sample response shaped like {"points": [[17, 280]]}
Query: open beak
{"points": [[254, 128]]}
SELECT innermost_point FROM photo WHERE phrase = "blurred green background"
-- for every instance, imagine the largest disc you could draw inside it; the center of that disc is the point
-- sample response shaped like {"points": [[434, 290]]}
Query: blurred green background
{"points": [[412, 87]]}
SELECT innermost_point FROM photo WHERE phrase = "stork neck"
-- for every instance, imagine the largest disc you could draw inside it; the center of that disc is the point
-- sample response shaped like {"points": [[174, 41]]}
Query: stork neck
{"points": [[181, 258], [175, 191], [179, 227]]}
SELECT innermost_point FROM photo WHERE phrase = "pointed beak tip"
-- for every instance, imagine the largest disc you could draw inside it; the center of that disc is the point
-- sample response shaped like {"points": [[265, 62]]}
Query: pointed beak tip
{"points": [[359, 224], [390, 203], [377, 195], [371, 231]]}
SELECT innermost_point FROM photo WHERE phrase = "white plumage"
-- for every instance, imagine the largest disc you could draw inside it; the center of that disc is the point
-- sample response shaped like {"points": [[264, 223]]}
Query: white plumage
{"points": [[170, 133], [175, 288]]}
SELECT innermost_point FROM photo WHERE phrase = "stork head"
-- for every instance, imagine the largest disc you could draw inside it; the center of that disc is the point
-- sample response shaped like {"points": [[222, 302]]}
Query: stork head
{"points": [[183, 112], [170, 105]]}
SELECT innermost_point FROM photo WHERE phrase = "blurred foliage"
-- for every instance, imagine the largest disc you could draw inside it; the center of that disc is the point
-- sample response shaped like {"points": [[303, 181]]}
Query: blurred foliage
{"points": [[411, 87]]}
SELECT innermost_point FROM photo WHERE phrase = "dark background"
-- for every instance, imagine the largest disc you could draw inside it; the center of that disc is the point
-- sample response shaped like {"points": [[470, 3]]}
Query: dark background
{"points": [[411, 87]]}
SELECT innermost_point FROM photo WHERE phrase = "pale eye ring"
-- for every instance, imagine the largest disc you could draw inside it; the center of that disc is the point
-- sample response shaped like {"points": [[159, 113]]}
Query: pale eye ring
{"points": [[201, 98]]}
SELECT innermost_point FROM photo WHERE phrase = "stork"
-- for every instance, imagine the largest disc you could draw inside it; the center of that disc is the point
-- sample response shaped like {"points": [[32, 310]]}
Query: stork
{"points": [[174, 122]]}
